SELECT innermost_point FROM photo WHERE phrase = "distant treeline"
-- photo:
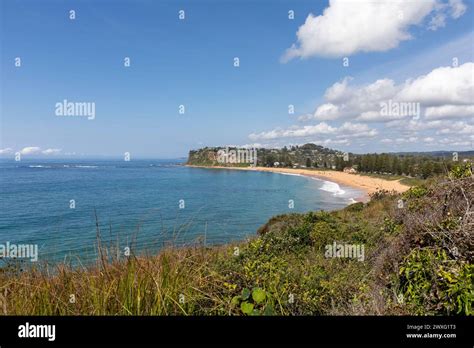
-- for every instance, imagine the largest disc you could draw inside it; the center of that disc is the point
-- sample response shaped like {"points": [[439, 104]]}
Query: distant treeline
{"points": [[409, 165]]}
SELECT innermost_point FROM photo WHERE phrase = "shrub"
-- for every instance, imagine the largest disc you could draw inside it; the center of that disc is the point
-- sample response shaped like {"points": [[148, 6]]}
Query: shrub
{"points": [[359, 206], [461, 171], [430, 282], [415, 192], [255, 302]]}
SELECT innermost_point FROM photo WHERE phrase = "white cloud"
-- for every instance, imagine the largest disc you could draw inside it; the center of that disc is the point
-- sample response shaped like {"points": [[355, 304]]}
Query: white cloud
{"points": [[459, 128], [457, 8], [453, 142], [376, 116], [33, 150], [30, 150], [246, 146], [305, 117], [406, 140], [416, 125], [438, 21], [356, 130], [350, 26], [449, 111], [339, 91], [6, 151], [345, 100], [445, 92], [51, 151], [436, 99], [321, 129], [327, 111], [328, 142], [443, 101], [444, 85]]}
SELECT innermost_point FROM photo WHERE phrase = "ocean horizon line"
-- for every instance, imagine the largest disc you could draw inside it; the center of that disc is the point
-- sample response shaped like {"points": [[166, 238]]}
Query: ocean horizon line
{"points": [[94, 158]]}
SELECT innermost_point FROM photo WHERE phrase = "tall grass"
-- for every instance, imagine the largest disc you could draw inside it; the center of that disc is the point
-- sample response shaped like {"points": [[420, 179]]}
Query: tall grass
{"points": [[177, 281], [418, 260]]}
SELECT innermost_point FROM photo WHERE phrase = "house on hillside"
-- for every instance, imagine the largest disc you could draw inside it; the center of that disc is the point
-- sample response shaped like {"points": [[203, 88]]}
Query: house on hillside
{"points": [[350, 170]]}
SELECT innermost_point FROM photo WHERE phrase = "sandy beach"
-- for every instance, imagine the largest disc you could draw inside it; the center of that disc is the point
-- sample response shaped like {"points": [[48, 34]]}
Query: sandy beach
{"points": [[366, 183]]}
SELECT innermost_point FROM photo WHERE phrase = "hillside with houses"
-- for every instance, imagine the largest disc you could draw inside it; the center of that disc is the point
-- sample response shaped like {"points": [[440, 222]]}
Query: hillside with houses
{"points": [[415, 165], [304, 156]]}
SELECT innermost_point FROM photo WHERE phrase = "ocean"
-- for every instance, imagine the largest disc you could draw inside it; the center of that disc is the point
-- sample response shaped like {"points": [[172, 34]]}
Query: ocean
{"points": [[145, 204]]}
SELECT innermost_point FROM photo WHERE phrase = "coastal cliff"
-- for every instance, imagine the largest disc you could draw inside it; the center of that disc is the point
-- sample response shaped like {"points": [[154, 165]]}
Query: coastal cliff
{"points": [[308, 155]]}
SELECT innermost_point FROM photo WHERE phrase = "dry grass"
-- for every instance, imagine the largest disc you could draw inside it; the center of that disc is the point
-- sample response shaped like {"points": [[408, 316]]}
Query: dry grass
{"points": [[285, 259], [178, 281]]}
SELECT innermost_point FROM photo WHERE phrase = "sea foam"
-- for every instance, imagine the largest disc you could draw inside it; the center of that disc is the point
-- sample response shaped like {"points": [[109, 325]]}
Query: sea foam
{"points": [[332, 187]]}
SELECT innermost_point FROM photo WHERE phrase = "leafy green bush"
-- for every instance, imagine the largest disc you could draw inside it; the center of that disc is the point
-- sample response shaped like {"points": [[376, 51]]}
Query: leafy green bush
{"points": [[390, 226], [381, 194], [359, 206], [255, 302], [415, 192], [461, 171], [430, 283]]}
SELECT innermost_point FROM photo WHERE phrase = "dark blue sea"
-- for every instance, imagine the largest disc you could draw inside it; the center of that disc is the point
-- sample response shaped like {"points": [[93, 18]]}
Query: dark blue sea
{"points": [[145, 204]]}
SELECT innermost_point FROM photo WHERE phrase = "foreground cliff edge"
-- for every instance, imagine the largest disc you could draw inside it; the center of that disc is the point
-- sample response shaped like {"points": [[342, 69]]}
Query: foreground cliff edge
{"points": [[408, 253]]}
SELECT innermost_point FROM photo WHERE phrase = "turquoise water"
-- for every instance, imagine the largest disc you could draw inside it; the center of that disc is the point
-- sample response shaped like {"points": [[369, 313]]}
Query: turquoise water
{"points": [[140, 200]]}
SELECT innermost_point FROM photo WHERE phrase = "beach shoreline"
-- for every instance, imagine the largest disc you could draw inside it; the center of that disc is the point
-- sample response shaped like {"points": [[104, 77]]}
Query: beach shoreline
{"points": [[363, 182]]}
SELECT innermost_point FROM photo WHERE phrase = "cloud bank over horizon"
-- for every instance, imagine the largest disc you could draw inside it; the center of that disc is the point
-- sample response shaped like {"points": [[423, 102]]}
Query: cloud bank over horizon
{"points": [[443, 100]]}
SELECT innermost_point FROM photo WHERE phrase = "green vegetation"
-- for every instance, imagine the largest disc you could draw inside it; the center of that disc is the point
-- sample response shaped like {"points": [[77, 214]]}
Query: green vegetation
{"points": [[412, 165], [410, 168], [418, 248], [431, 282], [309, 155]]}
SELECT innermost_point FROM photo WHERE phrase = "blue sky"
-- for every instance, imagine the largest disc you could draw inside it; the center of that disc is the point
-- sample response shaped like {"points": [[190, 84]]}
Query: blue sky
{"points": [[190, 62]]}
